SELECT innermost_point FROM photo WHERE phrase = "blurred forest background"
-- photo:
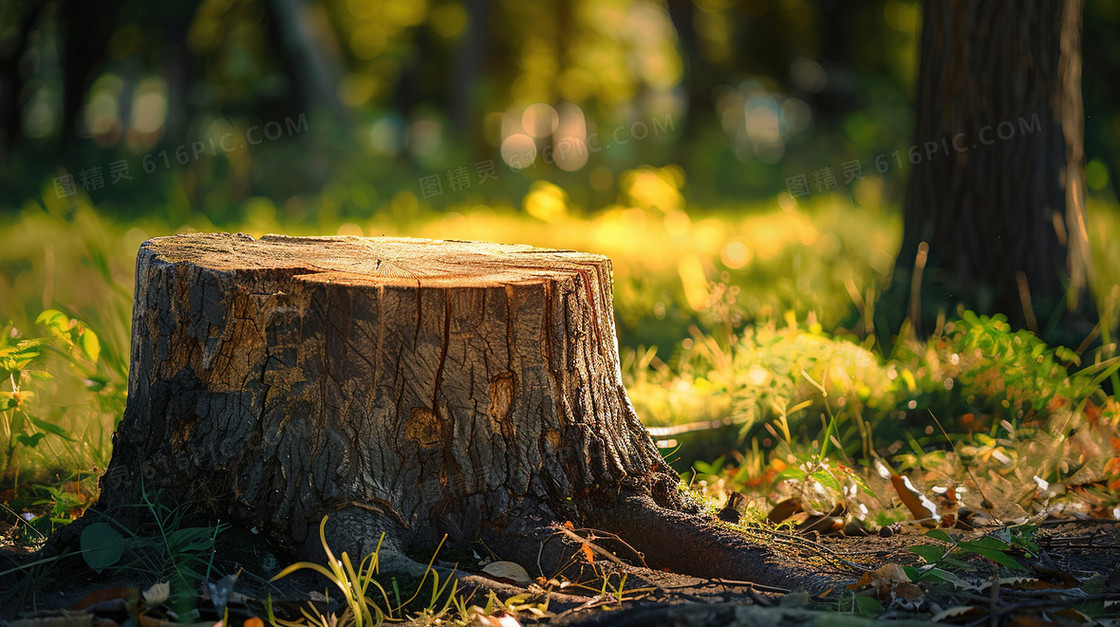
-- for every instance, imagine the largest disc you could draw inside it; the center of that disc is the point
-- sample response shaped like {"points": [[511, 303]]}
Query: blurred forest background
{"points": [[494, 119], [744, 94]]}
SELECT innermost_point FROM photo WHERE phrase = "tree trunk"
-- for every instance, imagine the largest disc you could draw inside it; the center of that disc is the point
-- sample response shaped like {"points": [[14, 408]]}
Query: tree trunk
{"points": [[306, 43], [994, 214], [415, 387]]}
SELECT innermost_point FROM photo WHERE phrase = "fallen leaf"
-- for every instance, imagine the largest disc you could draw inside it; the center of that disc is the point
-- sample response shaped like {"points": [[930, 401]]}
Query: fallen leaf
{"points": [[908, 591], [158, 593], [783, 510], [102, 545], [508, 570], [885, 580], [1057, 578], [588, 553], [893, 573], [921, 508], [107, 594], [821, 524], [864, 581]]}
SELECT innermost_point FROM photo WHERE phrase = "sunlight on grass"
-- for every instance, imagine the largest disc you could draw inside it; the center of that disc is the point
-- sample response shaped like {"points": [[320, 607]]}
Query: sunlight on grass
{"points": [[756, 317]]}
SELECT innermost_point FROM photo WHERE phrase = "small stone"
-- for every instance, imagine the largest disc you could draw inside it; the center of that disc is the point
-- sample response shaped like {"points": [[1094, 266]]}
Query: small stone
{"points": [[729, 514]]}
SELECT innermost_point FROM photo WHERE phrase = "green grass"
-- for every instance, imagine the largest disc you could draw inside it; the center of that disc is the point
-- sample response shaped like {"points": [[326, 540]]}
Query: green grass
{"points": [[755, 313]]}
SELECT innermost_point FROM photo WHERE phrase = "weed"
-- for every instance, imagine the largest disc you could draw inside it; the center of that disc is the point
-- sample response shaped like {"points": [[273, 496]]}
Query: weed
{"points": [[356, 585], [68, 355], [941, 559], [179, 554], [353, 584]]}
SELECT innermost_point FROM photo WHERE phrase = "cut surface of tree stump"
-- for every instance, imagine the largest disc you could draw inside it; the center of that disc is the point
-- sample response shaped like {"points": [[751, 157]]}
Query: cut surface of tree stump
{"points": [[406, 386]]}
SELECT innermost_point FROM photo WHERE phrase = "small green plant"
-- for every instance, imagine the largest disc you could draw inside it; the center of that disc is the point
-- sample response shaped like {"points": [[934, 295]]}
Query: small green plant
{"points": [[940, 559], [860, 604], [67, 364], [179, 554], [526, 602], [20, 362], [616, 592], [353, 584], [356, 585]]}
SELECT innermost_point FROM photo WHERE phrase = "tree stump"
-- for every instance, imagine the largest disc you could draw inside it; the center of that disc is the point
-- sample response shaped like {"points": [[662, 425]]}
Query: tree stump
{"points": [[406, 386]]}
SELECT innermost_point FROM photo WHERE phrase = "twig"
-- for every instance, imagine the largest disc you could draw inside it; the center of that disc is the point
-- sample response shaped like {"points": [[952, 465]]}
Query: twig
{"points": [[611, 536], [1054, 522], [757, 587], [571, 535]]}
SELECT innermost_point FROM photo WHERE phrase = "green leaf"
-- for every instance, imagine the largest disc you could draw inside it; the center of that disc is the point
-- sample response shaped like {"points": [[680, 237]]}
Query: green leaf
{"points": [[940, 534], [998, 557], [54, 319], [102, 546], [1067, 355], [938, 574], [956, 563], [30, 441], [8, 401], [791, 472], [50, 427], [987, 542], [91, 346], [826, 479], [928, 552], [868, 606]]}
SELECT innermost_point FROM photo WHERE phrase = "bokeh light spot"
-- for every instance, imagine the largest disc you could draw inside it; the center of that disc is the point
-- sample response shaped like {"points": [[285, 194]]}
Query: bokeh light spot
{"points": [[539, 120], [519, 151]]}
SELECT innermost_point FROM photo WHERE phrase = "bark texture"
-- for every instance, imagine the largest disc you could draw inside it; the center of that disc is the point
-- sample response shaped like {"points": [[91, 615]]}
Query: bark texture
{"points": [[412, 386], [994, 214]]}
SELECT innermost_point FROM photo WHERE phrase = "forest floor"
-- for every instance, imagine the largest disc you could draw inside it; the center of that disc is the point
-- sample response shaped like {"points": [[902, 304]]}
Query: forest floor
{"points": [[1068, 573]]}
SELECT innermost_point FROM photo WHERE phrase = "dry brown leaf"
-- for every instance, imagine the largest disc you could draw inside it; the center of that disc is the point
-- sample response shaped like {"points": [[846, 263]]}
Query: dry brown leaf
{"points": [[108, 594], [1056, 578], [158, 593], [1075, 615], [588, 553], [908, 591], [864, 581], [921, 508], [954, 612], [783, 510], [885, 581], [893, 573]]}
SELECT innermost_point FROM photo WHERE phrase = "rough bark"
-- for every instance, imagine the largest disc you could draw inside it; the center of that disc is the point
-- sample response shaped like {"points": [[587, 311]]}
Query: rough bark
{"points": [[415, 387], [994, 214]]}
